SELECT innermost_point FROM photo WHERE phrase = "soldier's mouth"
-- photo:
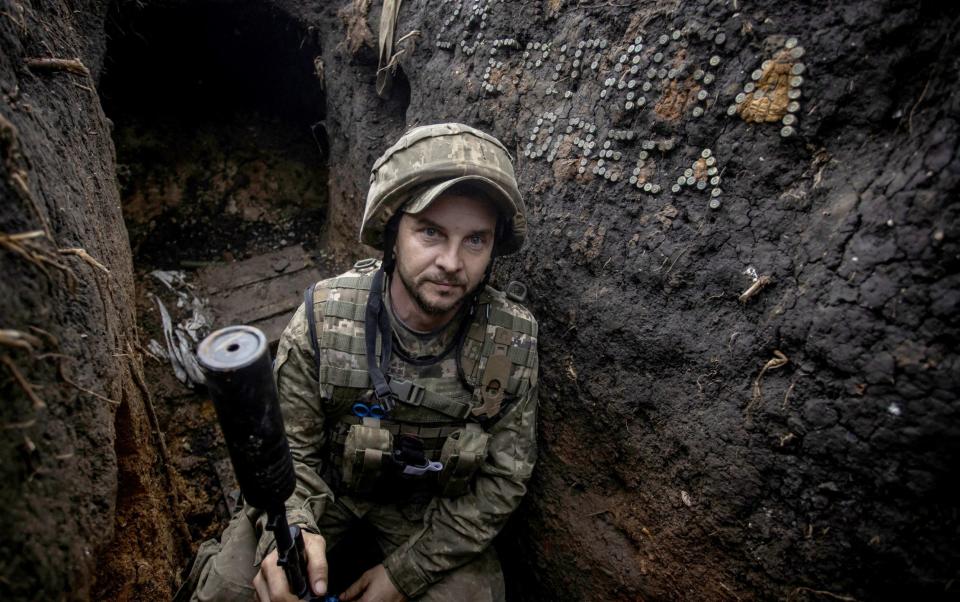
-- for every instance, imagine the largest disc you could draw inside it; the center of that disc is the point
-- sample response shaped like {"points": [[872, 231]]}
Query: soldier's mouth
{"points": [[445, 285], [445, 288]]}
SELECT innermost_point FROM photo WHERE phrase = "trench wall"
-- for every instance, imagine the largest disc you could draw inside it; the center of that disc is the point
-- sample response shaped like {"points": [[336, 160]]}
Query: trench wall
{"points": [[84, 487]]}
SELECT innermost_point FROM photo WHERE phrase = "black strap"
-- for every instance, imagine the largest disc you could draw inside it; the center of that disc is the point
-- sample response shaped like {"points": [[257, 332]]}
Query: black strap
{"points": [[312, 324], [388, 392], [376, 322], [462, 339]]}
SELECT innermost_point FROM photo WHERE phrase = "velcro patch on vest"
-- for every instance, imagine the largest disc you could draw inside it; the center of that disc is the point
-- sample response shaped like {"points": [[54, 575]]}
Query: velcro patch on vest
{"points": [[493, 385]]}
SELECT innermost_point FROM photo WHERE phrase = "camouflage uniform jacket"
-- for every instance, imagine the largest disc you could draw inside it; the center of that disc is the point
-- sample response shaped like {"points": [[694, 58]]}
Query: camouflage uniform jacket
{"points": [[454, 529]]}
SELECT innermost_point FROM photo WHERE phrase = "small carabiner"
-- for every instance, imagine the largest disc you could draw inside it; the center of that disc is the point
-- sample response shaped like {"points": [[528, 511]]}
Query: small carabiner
{"points": [[362, 410]]}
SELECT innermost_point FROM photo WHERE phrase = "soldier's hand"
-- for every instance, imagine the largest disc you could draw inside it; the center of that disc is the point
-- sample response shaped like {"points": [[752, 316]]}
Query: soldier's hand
{"points": [[271, 583], [375, 586]]}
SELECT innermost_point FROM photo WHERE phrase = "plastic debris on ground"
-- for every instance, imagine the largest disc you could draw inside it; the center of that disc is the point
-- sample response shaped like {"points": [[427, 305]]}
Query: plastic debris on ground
{"points": [[183, 336]]}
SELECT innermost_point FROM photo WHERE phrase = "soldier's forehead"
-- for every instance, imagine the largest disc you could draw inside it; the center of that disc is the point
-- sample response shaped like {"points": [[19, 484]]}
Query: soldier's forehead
{"points": [[459, 209]]}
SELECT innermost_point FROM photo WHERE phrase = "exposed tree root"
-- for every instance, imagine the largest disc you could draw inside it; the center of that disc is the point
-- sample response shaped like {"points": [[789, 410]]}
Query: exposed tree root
{"points": [[135, 368], [23, 244], [21, 22], [82, 254], [755, 288], [915, 105], [414, 33], [12, 159], [391, 66], [54, 64], [354, 18], [54, 341], [63, 375], [786, 396], [819, 592], [25, 424], [779, 360], [38, 404], [729, 591], [19, 340]]}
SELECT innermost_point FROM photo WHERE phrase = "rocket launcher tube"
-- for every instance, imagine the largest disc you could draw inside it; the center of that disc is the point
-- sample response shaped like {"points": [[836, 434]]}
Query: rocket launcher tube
{"points": [[236, 363]]}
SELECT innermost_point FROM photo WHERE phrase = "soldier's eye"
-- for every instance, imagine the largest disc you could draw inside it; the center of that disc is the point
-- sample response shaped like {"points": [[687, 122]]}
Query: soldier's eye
{"points": [[431, 232]]}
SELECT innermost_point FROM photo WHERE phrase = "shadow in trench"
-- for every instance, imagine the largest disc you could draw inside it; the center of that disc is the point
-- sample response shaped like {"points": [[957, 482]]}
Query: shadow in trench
{"points": [[217, 114]]}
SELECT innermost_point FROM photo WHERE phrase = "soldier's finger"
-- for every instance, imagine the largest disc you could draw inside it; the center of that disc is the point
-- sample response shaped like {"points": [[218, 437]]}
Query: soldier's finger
{"points": [[260, 588], [356, 589], [315, 547], [277, 586]]}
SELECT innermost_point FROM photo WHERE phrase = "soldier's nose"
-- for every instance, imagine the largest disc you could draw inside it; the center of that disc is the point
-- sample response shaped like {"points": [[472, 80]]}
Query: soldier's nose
{"points": [[449, 260]]}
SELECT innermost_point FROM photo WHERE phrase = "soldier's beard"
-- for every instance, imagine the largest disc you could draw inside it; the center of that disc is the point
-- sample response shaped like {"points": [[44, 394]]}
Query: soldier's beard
{"points": [[414, 287]]}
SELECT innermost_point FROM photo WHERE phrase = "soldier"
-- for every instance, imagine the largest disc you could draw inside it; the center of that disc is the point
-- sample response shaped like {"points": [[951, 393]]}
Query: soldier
{"points": [[408, 388]]}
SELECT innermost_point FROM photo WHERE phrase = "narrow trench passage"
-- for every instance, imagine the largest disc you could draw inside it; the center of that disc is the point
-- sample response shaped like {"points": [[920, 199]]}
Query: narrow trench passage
{"points": [[217, 121], [217, 117]]}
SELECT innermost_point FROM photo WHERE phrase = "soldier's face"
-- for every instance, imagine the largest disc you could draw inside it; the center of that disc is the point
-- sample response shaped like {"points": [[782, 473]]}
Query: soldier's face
{"points": [[443, 251]]}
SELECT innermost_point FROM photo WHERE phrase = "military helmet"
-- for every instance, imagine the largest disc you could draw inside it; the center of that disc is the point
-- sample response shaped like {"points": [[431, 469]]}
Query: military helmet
{"points": [[428, 160]]}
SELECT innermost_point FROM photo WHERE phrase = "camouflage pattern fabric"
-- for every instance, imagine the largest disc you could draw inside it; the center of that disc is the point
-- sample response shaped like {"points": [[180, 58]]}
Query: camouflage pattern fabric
{"points": [[224, 571], [499, 326]]}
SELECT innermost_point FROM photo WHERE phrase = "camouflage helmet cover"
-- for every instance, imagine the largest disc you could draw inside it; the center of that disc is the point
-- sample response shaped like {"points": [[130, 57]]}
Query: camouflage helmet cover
{"points": [[425, 161]]}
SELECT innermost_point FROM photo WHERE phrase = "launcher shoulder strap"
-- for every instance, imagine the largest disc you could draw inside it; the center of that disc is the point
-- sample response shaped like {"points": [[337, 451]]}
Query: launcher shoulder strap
{"points": [[310, 311]]}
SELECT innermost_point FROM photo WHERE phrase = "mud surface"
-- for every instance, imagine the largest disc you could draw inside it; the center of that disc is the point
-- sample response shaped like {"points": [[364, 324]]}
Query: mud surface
{"points": [[749, 381]]}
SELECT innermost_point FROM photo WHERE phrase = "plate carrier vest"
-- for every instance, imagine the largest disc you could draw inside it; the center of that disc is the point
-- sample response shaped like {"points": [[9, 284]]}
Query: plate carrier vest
{"points": [[496, 358]]}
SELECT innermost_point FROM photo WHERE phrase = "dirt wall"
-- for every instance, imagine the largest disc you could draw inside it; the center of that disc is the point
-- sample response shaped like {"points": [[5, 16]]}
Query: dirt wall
{"points": [[84, 486]]}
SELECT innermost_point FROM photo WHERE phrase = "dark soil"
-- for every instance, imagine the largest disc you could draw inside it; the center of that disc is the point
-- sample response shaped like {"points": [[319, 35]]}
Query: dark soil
{"points": [[218, 191], [83, 485], [796, 444]]}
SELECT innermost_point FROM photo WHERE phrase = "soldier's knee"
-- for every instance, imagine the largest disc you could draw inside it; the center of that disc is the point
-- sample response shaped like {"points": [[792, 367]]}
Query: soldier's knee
{"points": [[224, 571]]}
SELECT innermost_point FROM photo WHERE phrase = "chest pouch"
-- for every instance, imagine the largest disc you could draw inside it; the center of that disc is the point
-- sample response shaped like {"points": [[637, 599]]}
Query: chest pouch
{"points": [[366, 452], [463, 453]]}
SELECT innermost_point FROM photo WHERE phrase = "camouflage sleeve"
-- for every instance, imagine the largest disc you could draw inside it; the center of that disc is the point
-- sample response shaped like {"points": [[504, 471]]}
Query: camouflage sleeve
{"points": [[455, 530], [295, 371]]}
